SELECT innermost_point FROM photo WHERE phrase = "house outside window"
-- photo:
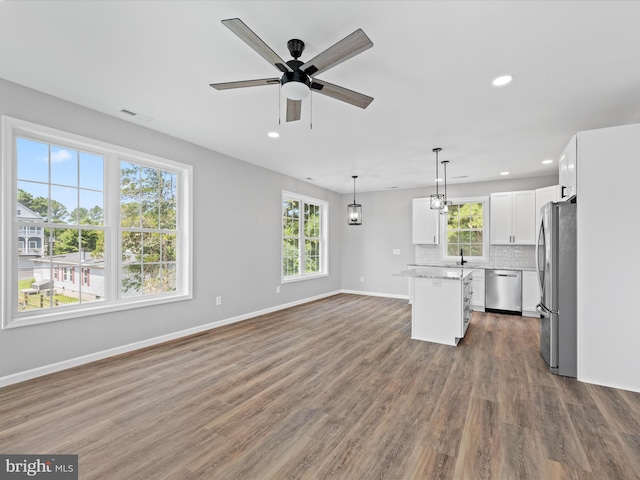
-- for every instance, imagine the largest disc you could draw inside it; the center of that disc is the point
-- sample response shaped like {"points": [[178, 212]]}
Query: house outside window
{"points": [[107, 228], [465, 230], [304, 237]]}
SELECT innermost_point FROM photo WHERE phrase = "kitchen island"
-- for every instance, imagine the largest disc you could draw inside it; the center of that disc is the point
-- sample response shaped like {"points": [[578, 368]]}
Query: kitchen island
{"points": [[441, 308]]}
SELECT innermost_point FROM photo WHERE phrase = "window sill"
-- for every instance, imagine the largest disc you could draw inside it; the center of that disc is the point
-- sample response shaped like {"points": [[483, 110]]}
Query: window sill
{"points": [[60, 313], [300, 278]]}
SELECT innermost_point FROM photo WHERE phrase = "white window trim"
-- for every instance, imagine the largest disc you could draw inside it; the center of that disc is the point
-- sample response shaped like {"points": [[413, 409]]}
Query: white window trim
{"points": [[485, 230], [12, 127], [324, 235]]}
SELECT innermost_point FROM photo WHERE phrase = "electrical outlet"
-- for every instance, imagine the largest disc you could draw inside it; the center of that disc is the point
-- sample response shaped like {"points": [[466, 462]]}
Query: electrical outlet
{"points": [[278, 289], [362, 279], [218, 300], [396, 251]]}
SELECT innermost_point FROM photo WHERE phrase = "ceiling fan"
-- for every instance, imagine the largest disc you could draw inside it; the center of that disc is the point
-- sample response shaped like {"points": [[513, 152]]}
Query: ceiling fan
{"points": [[298, 78]]}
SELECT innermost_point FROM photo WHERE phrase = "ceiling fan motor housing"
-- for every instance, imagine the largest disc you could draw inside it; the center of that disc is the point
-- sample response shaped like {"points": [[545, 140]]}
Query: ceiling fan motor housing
{"points": [[297, 75]]}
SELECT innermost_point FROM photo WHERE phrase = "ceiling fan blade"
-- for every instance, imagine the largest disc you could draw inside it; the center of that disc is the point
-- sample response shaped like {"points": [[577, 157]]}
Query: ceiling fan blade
{"points": [[346, 48], [293, 110], [341, 93], [238, 27], [245, 83]]}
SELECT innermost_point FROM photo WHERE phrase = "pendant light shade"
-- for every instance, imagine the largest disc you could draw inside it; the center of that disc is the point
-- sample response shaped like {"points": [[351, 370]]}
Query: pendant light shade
{"points": [[445, 207], [354, 210], [437, 200]]}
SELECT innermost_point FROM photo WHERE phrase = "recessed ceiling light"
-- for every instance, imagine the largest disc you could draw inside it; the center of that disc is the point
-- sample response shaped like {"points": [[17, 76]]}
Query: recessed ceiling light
{"points": [[273, 134], [504, 173], [546, 162], [438, 179], [501, 81]]}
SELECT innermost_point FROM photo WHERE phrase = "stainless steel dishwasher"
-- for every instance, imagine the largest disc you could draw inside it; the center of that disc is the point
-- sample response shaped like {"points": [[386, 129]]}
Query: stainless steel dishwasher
{"points": [[503, 291]]}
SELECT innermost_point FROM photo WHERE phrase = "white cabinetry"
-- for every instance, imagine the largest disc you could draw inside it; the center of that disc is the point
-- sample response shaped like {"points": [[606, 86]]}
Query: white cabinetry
{"points": [[477, 285], [426, 222], [513, 218], [567, 165], [530, 294], [544, 196], [441, 310]]}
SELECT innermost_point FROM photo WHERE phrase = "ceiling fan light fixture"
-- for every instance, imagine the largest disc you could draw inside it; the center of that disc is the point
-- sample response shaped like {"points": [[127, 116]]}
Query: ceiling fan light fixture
{"points": [[295, 90]]}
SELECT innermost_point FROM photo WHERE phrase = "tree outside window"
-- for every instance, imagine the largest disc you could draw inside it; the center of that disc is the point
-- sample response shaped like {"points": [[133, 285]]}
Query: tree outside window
{"points": [[465, 230]]}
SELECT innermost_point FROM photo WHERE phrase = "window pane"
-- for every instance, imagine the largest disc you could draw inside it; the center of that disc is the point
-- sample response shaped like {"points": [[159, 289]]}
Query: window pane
{"points": [[453, 249], [131, 281], [34, 196], [91, 171], [130, 179], [32, 160], [150, 247], [91, 207], [168, 277], [129, 212], [64, 200], [152, 279], [476, 250], [168, 200], [149, 192], [131, 247], [169, 247], [64, 166]]}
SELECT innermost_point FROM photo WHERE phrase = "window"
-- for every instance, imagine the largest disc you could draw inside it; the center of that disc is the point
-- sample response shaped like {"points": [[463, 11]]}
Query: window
{"points": [[304, 233], [465, 229], [113, 226]]}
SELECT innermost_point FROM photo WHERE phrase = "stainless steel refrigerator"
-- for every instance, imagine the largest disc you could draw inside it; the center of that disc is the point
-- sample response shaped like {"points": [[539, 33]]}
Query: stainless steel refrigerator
{"points": [[557, 274]]}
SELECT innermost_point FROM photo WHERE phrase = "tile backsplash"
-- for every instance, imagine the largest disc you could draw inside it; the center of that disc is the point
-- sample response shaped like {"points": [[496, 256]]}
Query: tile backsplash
{"points": [[523, 256]]}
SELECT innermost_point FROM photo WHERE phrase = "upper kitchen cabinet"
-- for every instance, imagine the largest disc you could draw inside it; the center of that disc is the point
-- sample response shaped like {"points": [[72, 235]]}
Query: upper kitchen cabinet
{"points": [[513, 217], [567, 166], [426, 223]]}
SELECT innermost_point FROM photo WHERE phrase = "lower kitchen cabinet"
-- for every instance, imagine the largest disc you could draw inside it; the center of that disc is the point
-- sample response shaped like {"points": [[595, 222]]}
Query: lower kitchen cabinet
{"points": [[477, 285], [441, 309], [530, 294]]}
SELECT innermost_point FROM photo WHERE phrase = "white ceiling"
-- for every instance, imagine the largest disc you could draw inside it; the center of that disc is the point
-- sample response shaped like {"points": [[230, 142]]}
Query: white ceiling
{"points": [[576, 66]]}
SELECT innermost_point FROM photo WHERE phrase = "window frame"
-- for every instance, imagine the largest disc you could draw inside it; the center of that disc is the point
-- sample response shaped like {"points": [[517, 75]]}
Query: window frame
{"points": [[324, 235], [485, 230], [113, 155]]}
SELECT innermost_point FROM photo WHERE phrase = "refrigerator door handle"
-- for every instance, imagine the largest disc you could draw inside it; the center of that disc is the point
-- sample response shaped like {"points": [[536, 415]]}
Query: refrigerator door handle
{"points": [[540, 232], [544, 311]]}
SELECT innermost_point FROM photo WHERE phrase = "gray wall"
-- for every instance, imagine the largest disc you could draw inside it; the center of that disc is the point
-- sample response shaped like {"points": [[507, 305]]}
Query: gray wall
{"points": [[367, 249], [236, 241]]}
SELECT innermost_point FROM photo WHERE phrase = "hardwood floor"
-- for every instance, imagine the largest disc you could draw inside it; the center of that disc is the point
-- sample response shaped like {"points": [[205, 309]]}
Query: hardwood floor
{"points": [[334, 389]]}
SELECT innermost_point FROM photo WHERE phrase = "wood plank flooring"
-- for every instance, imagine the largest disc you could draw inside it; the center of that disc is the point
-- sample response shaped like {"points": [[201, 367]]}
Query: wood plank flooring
{"points": [[333, 389]]}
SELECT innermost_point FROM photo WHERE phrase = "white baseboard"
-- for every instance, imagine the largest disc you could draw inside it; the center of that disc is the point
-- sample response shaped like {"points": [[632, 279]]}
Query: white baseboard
{"points": [[92, 357], [376, 294]]}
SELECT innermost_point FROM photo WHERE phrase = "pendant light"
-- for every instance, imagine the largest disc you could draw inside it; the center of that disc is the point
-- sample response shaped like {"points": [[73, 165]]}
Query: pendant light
{"points": [[445, 207], [437, 200], [354, 210]]}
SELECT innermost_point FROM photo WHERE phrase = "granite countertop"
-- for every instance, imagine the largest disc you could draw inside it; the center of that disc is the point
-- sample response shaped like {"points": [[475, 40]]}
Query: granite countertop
{"points": [[481, 266], [441, 273]]}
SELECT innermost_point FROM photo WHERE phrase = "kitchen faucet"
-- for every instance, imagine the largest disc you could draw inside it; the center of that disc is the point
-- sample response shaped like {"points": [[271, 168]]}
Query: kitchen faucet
{"points": [[462, 260]]}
